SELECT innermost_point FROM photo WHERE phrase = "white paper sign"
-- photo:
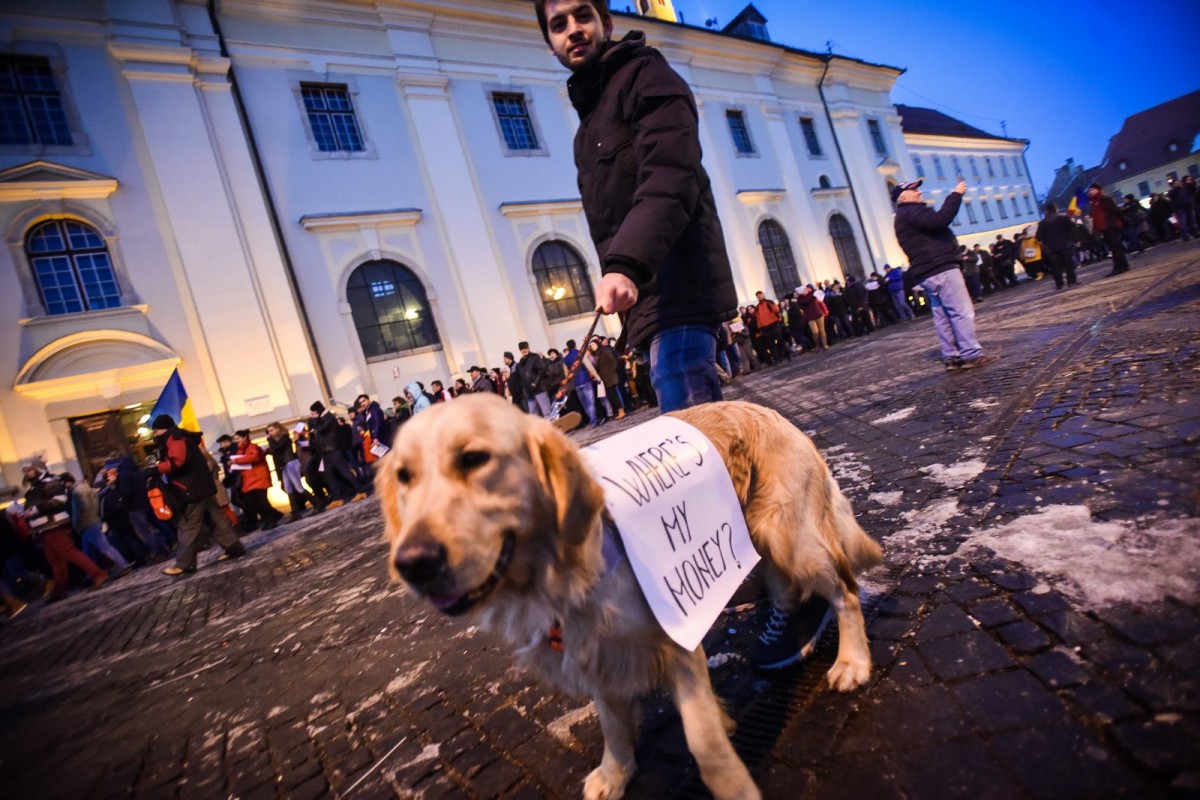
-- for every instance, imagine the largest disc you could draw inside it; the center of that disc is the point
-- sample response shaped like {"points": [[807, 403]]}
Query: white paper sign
{"points": [[680, 521]]}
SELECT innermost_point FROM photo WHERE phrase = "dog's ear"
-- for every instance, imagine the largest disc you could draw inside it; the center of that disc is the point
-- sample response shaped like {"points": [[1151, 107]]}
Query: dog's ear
{"points": [[577, 498]]}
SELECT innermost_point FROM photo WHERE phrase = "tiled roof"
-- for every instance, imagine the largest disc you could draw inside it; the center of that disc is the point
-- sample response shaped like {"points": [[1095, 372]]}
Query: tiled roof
{"points": [[914, 119], [1143, 142]]}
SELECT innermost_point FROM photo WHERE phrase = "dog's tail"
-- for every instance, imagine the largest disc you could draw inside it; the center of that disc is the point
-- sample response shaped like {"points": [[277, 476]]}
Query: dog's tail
{"points": [[861, 550]]}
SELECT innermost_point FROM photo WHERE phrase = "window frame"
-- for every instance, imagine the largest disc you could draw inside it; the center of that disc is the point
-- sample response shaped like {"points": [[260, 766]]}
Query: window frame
{"points": [[811, 139], [72, 254], [918, 167], [844, 252], [52, 54], [578, 276], [409, 280], [298, 81], [939, 168], [987, 210], [529, 105], [878, 141], [739, 114], [778, 256], [971, 218]]}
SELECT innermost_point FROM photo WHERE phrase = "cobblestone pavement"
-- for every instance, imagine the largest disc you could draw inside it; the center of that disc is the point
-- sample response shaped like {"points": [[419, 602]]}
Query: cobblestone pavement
{"points": [[1035, 624]]}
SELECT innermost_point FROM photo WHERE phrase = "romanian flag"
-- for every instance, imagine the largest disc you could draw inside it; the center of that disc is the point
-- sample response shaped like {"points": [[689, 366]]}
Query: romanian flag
{"points": [[1078, 204], [174, 403]]}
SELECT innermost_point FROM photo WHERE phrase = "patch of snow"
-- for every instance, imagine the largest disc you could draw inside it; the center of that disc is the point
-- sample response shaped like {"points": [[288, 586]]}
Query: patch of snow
{"points": [[405, 680], [896, 416], [1102, 563], [561, 728], [979, 404], [956, 475], [885, 498]]}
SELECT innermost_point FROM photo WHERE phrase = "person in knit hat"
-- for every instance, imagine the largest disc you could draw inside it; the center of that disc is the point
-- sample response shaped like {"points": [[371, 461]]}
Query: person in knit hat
{"points": [[188, 476], [48, 512]]}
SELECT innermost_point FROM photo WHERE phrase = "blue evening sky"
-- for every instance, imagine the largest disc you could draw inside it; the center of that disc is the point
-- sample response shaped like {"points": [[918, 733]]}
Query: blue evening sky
{"points": [[1064, 75]]}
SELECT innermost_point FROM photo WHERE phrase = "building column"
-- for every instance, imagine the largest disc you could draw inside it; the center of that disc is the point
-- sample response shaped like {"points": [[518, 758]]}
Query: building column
{"points": [[213, 218]]}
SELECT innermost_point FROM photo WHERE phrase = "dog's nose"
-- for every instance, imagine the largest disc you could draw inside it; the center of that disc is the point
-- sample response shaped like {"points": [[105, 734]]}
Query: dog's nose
{"points": [[421, 562]]}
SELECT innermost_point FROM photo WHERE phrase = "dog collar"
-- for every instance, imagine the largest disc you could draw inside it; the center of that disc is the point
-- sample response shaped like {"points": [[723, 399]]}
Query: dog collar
{"points": [[613, 552]]}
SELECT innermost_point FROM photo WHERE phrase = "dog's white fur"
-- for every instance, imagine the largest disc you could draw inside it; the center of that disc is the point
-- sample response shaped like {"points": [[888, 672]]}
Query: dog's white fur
{"points": [[465, 476]]}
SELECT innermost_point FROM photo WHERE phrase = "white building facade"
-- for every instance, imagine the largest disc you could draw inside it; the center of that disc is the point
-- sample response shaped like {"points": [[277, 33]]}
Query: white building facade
{"points": [[307, 200], [1000, 198]]}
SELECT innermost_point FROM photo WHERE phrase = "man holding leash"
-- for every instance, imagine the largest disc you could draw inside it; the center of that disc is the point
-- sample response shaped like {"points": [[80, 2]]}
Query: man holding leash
{"points": [[932, 250], [653, 219]]}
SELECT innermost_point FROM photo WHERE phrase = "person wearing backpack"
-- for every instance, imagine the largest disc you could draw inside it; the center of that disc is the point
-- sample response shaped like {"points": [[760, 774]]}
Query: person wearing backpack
{"points": [[187, 475]]}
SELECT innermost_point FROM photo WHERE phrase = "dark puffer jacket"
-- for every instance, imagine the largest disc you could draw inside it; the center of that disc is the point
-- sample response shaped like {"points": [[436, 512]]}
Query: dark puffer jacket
{"points": [[926, 237], [648, 200]]}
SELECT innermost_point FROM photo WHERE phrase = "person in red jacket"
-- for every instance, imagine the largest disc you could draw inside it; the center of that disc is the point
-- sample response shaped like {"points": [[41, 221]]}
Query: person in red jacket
{"points": [[186, 475], [1107, 220], [48, 511], [251, 461]]}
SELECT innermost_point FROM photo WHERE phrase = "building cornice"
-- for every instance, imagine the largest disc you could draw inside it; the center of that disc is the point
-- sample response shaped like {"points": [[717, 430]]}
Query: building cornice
{"points": [[538, 208], [357, 220]]}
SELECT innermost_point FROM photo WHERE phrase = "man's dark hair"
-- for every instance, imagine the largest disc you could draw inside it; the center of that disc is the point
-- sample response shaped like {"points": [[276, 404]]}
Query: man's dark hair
{"points": [[1051, 208], [571, 344], [224, 437], [539, 6], [397, 399], [244, 433]]}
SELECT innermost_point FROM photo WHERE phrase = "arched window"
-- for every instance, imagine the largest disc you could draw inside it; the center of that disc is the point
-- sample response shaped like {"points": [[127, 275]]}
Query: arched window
{"points": [[71, 265], [777, 252], [562, 281], [823, 182], [390, 309], [845, 246]]}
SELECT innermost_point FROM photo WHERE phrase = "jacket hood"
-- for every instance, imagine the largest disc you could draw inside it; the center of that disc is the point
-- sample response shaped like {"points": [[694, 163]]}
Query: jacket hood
{"points": [[583, 86], [414, 389]]}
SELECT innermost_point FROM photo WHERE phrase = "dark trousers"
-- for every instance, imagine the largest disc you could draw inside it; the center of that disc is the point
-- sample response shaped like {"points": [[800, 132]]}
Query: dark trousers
{"points": [[1061, 264], [1112, 238], [342, 481], [257, 508], [191, 526]]}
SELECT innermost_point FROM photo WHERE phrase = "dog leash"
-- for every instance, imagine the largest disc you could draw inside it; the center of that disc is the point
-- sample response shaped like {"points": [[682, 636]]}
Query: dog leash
{"points": [[564, 388]]}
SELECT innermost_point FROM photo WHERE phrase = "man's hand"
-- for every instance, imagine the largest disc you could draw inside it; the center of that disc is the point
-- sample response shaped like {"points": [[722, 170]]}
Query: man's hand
{"points": [[617, 293], [961, 188]]}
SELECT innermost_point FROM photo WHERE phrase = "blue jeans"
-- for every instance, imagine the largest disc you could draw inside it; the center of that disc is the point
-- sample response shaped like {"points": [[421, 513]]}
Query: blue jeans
{"points": [[900, 303], [587, 398], [683, 368], [95, 542], [953, 314]]}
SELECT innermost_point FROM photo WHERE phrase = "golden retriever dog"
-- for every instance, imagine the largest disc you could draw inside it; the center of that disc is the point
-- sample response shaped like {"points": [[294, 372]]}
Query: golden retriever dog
{"points": [[491, 512]]}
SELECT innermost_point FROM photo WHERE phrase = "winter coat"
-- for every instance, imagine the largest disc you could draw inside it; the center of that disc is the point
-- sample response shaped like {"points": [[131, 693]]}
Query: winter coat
{"points": [[1056, 233], [895, 279], [925, 235], [282, 451], [373, 422], [531, 376], [180, 459], [835, 301], [421, 400], [258, 476], [606, 365], [48, 506], [648, 200], [812, 308], [856, 296], [85, 507]]}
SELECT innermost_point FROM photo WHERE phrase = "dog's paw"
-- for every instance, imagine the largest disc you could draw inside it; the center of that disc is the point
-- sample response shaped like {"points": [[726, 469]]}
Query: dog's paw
{"points": [[847, 675], [599, 786]]}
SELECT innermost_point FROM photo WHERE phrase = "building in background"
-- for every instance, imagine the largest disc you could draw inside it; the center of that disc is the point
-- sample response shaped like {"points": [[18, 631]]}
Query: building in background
{"points": [[1000, 197], [308, 200], [1152, 145], [1070, 183]]}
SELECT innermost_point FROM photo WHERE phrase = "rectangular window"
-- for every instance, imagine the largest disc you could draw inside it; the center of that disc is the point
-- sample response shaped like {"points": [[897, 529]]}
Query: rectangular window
{"points": [[1016, 208], [937, 167], [1172, 176], [918, 167], [958, 173], [970, 212], [1144, 188], [987, 211], [987, 162], [31, 107], [1004, 167], [810, 136], [1194, 171], [1001, 209], [515, 124], [1028, 205], [877, 137], [974, 167], [331, 116], [1017, 167], [737, 129]]}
